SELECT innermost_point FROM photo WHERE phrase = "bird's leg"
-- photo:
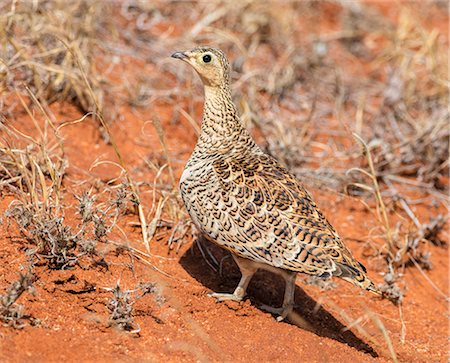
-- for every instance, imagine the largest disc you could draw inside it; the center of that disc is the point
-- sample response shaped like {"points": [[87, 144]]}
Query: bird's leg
{"points": [[288, 301], [247, 270]]}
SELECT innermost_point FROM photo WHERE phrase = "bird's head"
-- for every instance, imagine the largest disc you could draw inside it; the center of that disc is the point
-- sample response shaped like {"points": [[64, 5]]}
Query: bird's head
{"points": [[210, 63]]}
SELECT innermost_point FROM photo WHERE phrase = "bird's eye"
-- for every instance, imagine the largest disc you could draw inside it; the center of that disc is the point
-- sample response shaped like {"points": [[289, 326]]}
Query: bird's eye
{"points": [[206, 58]]}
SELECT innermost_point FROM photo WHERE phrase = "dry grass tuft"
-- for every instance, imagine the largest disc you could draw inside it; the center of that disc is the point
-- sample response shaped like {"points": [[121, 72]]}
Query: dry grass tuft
{"points": [[413, 120], [41, 44]]}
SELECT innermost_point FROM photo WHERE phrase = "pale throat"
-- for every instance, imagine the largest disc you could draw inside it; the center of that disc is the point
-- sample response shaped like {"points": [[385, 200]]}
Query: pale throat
{"points": [[217, 94]]}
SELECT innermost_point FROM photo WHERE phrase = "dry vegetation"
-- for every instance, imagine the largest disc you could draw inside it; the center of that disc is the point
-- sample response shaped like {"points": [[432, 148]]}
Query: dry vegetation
{"points": [[378, 133]]}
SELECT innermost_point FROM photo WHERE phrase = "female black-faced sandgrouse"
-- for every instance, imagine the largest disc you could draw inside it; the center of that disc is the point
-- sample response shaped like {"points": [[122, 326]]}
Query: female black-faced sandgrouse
{"points": [[246, 202]]}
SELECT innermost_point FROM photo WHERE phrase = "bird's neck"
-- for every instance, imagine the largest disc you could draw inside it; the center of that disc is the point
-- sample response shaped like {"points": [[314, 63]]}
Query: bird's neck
{"points": [[220, 125], [219, 112]]}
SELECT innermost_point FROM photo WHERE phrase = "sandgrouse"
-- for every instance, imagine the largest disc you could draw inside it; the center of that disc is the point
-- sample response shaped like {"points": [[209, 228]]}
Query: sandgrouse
{"points": [[246, 202]]}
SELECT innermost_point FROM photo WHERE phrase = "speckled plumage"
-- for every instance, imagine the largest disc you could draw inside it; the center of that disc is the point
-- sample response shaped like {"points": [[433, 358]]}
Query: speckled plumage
{"points": [[246, 202]]}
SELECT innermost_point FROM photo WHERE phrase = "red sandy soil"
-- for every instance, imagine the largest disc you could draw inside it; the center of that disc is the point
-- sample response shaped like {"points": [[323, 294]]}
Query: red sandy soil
{"points": [[188, 325]]}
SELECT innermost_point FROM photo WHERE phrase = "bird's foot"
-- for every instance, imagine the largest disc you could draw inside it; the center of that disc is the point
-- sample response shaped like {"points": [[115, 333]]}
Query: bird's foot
{"points": [[224, 297], [282, 312]]}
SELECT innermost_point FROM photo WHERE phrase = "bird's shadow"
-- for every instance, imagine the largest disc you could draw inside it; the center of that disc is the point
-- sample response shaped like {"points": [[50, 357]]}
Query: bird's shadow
{"points": [[266, 288]]}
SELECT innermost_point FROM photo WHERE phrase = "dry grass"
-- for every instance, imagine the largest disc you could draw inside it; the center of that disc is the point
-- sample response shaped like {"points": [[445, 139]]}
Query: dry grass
{"points": [[302, 101], [34, 173], [40, 44], [413, 120]]}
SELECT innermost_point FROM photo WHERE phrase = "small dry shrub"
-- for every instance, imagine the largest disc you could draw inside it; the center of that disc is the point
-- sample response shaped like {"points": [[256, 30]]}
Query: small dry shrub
{"points": [[12, 313], [120, 305], [390, 289]]}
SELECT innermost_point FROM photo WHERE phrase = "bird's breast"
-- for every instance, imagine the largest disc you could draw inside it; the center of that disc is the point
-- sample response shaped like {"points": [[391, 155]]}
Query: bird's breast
{"points": [[200, 192]]}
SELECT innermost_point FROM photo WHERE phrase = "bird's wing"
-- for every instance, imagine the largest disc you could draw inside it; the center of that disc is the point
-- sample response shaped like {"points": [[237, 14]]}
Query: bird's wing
{"points": [[276, 221]]}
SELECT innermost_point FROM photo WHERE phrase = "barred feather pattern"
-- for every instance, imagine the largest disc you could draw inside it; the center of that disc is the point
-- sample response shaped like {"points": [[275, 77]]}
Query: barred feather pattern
{"points": [[246, 202]]}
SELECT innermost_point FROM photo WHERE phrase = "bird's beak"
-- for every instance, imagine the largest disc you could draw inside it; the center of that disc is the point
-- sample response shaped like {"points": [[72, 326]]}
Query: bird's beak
{"points": [[180, 55]]}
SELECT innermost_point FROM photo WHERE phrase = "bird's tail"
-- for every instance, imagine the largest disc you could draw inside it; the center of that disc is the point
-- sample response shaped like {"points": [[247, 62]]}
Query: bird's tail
{"points": [[364, 283], [355, 273], [372, 287]]}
